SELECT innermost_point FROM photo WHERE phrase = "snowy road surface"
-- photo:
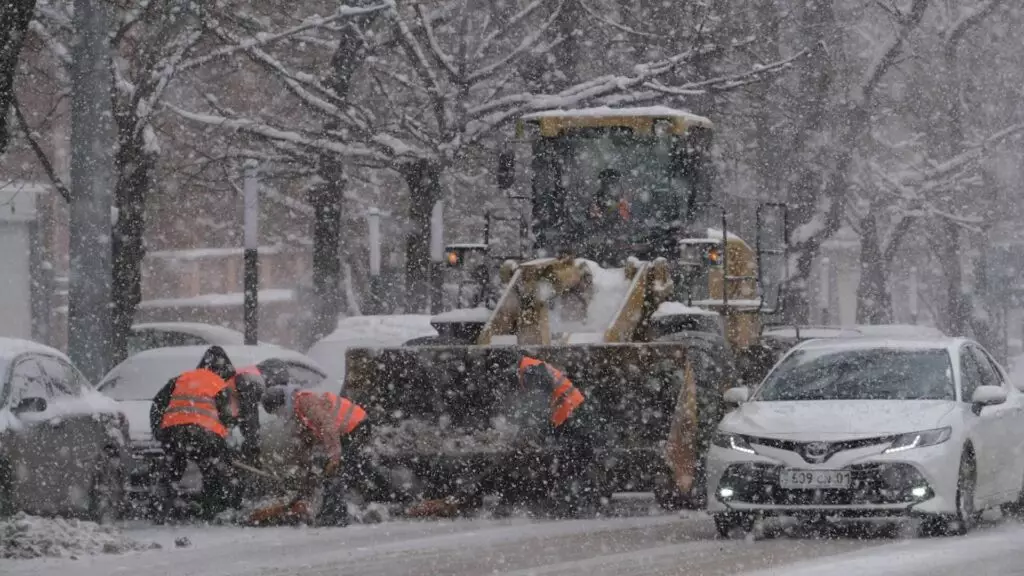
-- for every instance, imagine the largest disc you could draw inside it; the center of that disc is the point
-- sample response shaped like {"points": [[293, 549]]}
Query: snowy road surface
{"points": [[657, 545], [619, 546]]}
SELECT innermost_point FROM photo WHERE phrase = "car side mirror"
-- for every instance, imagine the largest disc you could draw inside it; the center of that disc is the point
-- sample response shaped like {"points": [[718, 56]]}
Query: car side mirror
{"points": [[30, 405], [505, 171], [737, 395], [988, 395]]}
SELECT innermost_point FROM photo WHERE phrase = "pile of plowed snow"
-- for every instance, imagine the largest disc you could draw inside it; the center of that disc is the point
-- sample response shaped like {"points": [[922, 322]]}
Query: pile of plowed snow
{"points": [[23, 536], [412, 436]]}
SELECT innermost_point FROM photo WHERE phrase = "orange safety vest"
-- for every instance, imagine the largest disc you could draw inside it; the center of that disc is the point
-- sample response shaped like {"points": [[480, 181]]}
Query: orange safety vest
{"points": [[347, 414], [565, 397], [193, 402]]}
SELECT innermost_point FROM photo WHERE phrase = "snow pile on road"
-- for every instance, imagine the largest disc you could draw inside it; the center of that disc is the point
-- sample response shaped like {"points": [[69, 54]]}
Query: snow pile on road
{"points": [[23, 537], [419, 436]]}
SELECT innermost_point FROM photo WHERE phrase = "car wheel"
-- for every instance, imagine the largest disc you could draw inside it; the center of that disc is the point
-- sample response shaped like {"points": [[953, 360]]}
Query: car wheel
{"points": [[106, 495], [728, 524], [1014, 509], [966, 516]]}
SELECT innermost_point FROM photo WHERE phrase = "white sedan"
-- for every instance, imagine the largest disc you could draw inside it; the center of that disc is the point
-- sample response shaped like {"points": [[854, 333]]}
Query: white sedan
{"points": [[865, 427]]}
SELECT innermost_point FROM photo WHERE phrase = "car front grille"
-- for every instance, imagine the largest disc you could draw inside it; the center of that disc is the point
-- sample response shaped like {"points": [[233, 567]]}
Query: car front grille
{"points": [[878, 484]]}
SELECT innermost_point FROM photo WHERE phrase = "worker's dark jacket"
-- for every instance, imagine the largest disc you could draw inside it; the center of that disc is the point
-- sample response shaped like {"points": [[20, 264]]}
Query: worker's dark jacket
{"points": [[546, 401], [249, 387]]}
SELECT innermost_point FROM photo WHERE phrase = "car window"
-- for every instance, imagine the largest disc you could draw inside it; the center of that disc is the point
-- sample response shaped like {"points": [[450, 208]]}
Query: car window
{"points": [[304, 376], [28, 380], [58, 378], [860, 374], [989, 374], [970, 375], [142, 340]]}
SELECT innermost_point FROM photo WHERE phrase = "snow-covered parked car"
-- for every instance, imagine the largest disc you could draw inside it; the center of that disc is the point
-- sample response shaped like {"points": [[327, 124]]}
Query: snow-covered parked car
{"points": [[134, 382], [928, 428], [150, 335], [368, 331], [62, 443]]}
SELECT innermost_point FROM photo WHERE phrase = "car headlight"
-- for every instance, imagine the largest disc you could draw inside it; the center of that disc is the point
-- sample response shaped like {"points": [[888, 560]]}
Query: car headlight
{"points": [[919, 439], [733, 442]]}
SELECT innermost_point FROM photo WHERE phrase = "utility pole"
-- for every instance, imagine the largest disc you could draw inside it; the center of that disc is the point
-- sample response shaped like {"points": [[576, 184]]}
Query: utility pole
{"points": [[912, 294], [373, 223], [91, 207], [251, 239], [436, 258], [825, 290]]}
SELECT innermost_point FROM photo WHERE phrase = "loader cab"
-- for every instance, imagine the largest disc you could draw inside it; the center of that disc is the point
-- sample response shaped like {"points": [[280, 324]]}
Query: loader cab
{"points": [[612, 183]]}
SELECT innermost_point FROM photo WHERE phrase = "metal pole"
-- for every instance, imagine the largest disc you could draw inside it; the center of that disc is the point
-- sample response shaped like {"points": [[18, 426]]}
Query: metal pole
{"points": [[825, 290], [436, 257], [92, 143], [251, 221], [912, 294], [376, 290]]}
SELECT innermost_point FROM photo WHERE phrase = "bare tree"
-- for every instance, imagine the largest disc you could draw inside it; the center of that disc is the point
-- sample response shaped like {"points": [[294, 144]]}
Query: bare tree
{"points": [[447, 80], [14, 20]]}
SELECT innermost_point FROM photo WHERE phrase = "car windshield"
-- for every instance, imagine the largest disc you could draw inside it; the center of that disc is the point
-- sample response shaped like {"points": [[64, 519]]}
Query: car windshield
{"points": [[861, 374]]}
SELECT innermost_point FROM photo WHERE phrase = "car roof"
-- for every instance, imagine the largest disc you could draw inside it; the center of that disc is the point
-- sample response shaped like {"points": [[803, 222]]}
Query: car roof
{"points": [[170, 361], [12, 347], [853, 331], [211, 332], [867, 343]]}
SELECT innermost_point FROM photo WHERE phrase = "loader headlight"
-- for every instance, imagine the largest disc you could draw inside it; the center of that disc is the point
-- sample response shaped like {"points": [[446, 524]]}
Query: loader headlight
{"points": [[733, 442], [919, 439]]}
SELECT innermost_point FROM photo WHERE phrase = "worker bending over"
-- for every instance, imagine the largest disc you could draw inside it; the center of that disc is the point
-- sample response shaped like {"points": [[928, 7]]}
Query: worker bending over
{"points": [[191, 417], [332, 423], [553, 452]]}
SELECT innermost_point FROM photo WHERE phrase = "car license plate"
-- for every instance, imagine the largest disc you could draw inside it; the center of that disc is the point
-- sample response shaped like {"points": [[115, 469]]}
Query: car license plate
{"points": [[811, 479]]}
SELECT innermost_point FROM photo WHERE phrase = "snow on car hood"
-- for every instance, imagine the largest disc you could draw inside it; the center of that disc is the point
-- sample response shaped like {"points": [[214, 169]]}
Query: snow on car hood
{"points": [[836, 419]]}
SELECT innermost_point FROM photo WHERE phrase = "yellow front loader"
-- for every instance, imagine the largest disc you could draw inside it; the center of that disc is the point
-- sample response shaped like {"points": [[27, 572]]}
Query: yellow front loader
{"points": [[645, 309]]}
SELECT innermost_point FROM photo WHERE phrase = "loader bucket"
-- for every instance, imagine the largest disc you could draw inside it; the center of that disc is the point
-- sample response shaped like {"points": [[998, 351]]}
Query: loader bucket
{"points": [[437, 411]]}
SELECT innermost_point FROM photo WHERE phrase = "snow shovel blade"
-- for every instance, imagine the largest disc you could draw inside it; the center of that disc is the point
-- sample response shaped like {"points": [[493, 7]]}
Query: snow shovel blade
{"points": [[291, 512], [438, 508]]}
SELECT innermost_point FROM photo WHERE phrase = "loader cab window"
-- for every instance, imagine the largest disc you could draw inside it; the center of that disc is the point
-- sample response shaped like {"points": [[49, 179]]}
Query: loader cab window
{"points": [[599, 182]]}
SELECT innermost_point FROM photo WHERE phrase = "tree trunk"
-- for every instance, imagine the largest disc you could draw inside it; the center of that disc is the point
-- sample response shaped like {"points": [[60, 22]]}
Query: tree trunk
{"points": [[326, 199], [14, 19], [874, 302], [957, 305], [802, 171], [424, 180], [135, 168]]}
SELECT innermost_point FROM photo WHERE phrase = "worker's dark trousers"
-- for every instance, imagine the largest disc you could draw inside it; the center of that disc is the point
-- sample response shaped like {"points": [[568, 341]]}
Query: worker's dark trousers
{"points": [[356, 473], [558, 482], [209, 451]]}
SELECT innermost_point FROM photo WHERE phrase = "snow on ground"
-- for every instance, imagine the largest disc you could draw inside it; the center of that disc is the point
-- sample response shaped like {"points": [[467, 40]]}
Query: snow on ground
{"points": [[23, 537], [367, 331], [920, 557]]}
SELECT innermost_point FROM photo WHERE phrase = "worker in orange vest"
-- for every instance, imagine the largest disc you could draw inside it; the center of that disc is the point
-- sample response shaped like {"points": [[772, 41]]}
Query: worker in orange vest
{"points": [[553, 451], [330, 422], [191, 416]]}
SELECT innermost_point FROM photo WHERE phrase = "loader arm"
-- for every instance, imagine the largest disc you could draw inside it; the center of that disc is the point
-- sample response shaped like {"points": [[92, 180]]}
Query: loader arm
{"points": [[522, 309], [650, 285]]}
